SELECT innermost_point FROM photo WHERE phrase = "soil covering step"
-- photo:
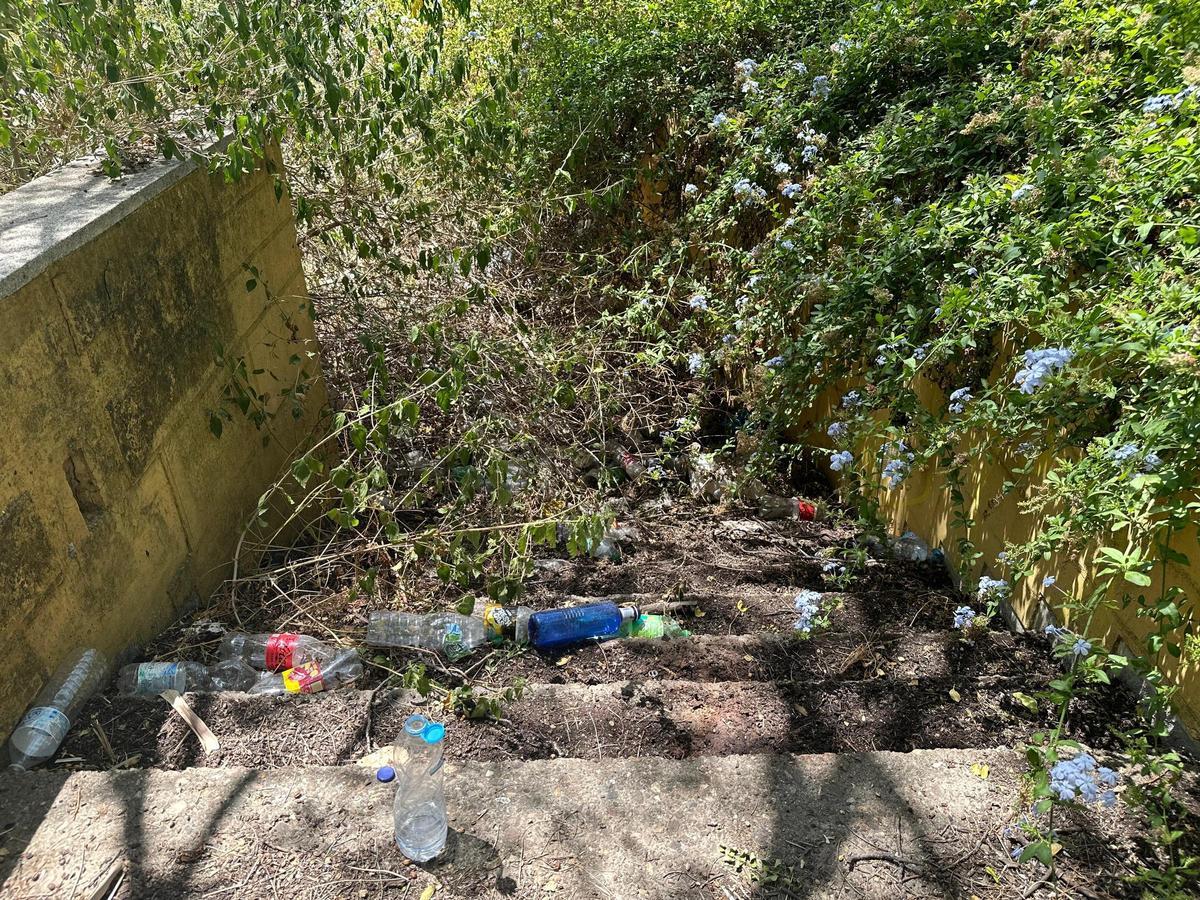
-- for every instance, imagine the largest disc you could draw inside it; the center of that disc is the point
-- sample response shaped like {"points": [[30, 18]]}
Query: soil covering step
{"points": [[652, 828]]}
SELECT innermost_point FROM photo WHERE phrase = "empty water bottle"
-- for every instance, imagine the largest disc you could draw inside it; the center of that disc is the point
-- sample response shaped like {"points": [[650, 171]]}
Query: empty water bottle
{"points": [[311, 677], [552, 629], [274, 652], [634, 467], [43, 728], [420, 810], [453, 634], [771, 507], [151, 678]]}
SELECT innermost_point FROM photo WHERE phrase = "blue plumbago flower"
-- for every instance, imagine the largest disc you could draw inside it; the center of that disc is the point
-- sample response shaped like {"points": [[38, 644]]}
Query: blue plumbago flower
{"points": [[896, 201], [690, 190], [728, 339], [741, 302], [1049, 581], [1040, 365], [787, 244], [1081, 647], [791, 190], [775, 362], [747, 191], [749, 86], [1164, 102], [959, 399], [800, 68], [992, 587], [1002, 557], [474, 35], [920, 352], [698, 301], [1082, 779], [838, 430], [841, 460], [972, 272], [1022, 193], [695, 362], [852, 400], [963, 616], [1151, 462], [753, 280], [1054, 632], [896, 469], [1028, 450], [719, 119], [820, 87], [781, 167], [833, 567], [744, 68], [810, 154], [1016, 852], [1124, 452], [808, 604]]}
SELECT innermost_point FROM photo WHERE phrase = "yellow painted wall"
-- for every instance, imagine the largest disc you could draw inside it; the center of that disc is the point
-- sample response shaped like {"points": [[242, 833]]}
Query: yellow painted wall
{"points": [[119, 509], [923, 505]]}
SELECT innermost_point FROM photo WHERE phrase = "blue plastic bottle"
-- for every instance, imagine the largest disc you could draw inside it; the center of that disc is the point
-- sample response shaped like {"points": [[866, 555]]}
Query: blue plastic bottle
{"points": [[552, 629]]}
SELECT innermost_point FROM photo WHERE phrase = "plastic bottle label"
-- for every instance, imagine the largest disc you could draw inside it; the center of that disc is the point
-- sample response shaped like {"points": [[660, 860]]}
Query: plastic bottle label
{"points": [[452, 642], [280, 648], [154, 678], [805, 512], [305, 679], [49, 720], [499, 624]]}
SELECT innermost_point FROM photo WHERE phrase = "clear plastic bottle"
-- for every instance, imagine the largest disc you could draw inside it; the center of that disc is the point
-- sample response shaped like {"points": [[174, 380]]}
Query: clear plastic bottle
{"points": [[152, 678], [420, 809], [771, 507], [552, 629], [453, 634], [311, 677], [43, 728], [634, 467], [274, 652], [909, 546]]}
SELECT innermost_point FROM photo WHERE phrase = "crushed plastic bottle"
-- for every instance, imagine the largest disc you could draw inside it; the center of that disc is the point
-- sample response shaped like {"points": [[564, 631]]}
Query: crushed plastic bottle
{"points": [[772, 507], [452, 634], [553, 629], [149, 679], [311, 677], [41, 731], [274, 652], [420, 808], [609, 545], [909, 546], [653, 627]]}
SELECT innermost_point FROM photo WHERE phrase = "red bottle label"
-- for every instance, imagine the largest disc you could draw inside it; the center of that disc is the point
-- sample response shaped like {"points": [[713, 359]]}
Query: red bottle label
{"points": [[279, 651], [805, 512]]}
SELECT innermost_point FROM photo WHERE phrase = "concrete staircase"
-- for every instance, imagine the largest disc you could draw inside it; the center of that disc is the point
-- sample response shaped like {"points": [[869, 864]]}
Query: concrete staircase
{"points": [[875, 759]]}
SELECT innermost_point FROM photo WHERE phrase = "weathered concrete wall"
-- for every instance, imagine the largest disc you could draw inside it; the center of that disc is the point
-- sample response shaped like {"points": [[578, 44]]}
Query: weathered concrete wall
{"points": [[922, 504], [119, 507]]}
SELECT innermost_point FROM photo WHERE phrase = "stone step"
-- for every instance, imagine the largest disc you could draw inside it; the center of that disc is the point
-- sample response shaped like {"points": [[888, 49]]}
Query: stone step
{"points": [[620, 719], [849, 656], [807, 826]]}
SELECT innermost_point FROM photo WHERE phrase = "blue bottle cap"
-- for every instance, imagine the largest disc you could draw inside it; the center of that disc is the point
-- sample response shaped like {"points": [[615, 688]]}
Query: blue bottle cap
{"points": [[386, 774], [433, 732]]}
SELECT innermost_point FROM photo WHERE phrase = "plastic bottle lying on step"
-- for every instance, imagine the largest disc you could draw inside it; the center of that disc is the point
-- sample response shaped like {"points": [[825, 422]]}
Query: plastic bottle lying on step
{"points": [[452, 634], [274, 652], [312, 677], [772, 507], [41, 731], [553, 629], [151, 678], [420, 808], [653, 627]]}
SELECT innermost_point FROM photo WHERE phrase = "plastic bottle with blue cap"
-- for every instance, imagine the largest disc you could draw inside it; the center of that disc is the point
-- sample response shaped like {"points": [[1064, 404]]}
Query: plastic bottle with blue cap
{"points": [[420, 810]]}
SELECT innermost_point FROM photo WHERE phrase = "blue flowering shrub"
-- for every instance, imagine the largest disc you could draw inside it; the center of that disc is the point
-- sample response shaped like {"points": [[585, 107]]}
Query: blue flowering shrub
{"points": [[1000, 199]]}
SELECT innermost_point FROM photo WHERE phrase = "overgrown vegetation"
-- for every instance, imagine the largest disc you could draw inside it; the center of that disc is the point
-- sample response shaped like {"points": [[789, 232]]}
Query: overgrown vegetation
{"points": [[548, 220]]}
